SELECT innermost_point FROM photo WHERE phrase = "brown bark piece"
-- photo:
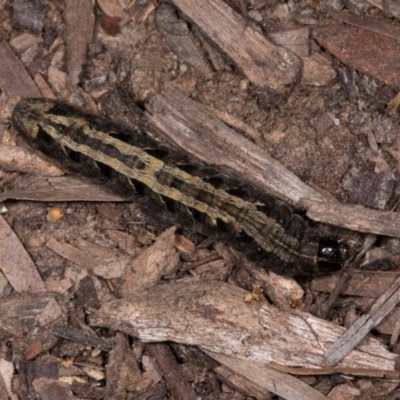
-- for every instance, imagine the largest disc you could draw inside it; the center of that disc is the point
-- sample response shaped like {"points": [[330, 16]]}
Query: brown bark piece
{"points": [[16, 264], [14, 79], [122, 359], [389, 324], [177, 35], [179, 387], [21, 315], [150, 265], [369, 284], [79, 19], [270, 68], [58, 285], [369, 52], [220, 319], [34, 348], [50, 389]]}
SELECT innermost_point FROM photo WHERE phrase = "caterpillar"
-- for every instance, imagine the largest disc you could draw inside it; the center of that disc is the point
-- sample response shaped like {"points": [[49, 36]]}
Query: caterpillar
{"points": [[196, 196]]}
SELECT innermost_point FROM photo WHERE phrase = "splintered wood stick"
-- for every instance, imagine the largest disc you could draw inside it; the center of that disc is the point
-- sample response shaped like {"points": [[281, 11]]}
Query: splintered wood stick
{"points": [[360, 329]]}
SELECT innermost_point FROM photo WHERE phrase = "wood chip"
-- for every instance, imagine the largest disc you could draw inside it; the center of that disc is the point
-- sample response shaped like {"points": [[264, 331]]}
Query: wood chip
{"points": [[126, 242], [145, 270], [270, 68], [44, 87], [79, 20], [375, 23], [122, 359], [16, 264], [296, 40], [113, 9], [58, 286], [24, 41], [317, 71]]}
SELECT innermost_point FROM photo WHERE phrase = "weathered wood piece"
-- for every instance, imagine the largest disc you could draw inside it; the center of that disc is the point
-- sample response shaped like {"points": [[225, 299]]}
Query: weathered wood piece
{"points": [[215, 316], [270, 68], [357, 332], [192, 127], [356, 217], [16, 264]]}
